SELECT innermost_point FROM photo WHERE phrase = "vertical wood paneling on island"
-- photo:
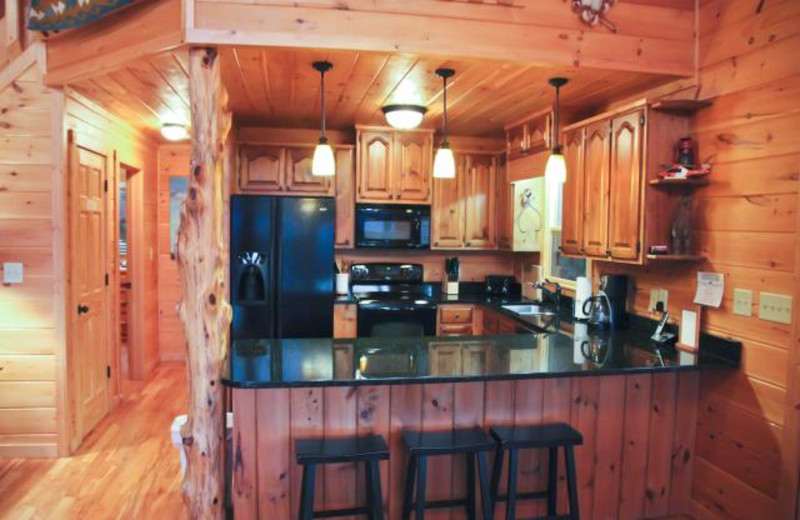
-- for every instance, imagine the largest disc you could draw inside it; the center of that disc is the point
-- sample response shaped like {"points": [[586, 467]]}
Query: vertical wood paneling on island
{"points": [[634, 446], [406, 413], [584, 418], [467, 412], [437, 414], [610, 427], [499, 411], [528, 401], [627, 451]]}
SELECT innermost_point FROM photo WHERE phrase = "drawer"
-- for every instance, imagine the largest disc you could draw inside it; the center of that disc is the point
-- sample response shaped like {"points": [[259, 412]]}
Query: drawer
{"points": [[455, 330], [454, 314]]}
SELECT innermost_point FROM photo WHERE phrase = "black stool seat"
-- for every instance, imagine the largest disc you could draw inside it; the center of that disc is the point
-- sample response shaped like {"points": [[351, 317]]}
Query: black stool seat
{"points": [[539, 436], [369, 449], [448, 442], [350, 449]]}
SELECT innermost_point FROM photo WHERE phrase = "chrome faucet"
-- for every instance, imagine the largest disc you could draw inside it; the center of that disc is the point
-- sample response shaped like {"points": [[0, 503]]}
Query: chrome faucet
{"points": [[553, 296]]}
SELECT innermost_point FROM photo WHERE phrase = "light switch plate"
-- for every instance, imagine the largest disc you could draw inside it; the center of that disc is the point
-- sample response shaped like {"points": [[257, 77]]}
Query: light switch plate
{"points": [[663, 297], [12, 272], [775, 307], [743, 302], [653, 300]]}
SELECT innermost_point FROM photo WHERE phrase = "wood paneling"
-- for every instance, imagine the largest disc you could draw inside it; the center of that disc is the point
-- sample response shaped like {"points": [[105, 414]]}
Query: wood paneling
{"points": [[746, 224], [613, 413], [29, 335]]}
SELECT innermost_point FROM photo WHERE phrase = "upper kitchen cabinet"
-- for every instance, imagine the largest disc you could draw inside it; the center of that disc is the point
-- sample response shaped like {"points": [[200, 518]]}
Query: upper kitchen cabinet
{"points": [[614, 208], [505, 199], [464, 207], [280, 170], [529, 136], [394, 166], [572, 207], [345, 198]]}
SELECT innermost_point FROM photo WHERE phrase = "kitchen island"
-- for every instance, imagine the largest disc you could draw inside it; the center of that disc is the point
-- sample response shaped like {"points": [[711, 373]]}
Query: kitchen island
{"points": [[634, 403]]}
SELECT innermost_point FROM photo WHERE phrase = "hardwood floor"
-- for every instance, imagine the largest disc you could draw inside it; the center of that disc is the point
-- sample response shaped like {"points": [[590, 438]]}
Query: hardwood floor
{"points": [[127, 468]]}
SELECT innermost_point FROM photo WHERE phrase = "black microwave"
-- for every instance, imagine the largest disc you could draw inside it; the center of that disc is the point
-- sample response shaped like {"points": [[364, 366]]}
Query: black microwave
{"points": [[393, 226]]}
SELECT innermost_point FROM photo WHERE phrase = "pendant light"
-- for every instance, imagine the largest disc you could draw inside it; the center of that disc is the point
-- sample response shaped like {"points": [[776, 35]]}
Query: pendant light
{"points": [[556, 170], [323, 164], [444, 165]]}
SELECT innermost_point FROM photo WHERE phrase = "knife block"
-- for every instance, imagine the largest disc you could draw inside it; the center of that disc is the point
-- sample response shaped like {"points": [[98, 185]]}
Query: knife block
{"points": [[451, 288]]}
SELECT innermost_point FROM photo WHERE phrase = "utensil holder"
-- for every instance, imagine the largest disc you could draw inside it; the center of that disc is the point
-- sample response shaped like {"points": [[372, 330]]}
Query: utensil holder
{"points": [[343, 283], [451, 288]]}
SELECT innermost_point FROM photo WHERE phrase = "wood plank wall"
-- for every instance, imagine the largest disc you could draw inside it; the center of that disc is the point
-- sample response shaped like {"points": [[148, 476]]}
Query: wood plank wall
{"points": [[29, 335], [747, 226], [173, 161], [102, 131], [635, 463]]}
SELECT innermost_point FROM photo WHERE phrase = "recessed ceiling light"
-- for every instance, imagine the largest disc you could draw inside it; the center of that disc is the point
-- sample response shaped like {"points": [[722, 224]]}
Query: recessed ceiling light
{"points": [[404, 117], [174, 132]]}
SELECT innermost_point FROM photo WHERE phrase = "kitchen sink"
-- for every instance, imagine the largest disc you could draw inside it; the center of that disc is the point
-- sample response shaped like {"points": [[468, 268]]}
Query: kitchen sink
{"points": [[530, 310]]}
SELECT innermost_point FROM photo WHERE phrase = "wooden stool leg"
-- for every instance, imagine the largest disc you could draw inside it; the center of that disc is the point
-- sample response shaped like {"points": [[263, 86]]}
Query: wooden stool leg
{"points": [[307, 493], [513, 467], [572, 483], [375, 492], [471, 501], [483, 477], [408, 492], [552, 482], [497, 470], [370, 490], [422, 475]]}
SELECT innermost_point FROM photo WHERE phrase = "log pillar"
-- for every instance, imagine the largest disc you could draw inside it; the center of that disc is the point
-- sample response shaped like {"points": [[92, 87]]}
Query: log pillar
{"points": [[202, 254]]}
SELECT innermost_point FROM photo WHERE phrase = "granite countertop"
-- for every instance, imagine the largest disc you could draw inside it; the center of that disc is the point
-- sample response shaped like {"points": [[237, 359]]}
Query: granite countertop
{"points": [[272, 363]]}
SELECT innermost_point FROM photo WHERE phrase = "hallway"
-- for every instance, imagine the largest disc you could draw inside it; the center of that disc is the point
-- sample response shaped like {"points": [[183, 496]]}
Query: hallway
{"points": [[127, 468]]}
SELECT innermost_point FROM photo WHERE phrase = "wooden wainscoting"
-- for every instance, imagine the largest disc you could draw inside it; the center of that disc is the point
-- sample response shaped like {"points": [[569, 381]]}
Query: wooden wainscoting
{"points": [[636, 461]]}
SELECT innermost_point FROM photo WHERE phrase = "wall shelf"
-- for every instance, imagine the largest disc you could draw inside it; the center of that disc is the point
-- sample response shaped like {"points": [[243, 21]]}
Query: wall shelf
{"points": [[683, 107], [691, 181], [676, 258]]}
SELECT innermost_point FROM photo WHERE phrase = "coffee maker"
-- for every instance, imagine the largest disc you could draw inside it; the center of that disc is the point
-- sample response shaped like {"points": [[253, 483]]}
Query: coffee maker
{"points": [[609, 306]]}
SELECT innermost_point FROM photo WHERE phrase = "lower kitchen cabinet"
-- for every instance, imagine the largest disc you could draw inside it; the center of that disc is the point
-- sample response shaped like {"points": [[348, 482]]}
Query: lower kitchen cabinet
{"points": [[345, 199], [459, 320], [461, 358], [344, 320], [495, 324]]}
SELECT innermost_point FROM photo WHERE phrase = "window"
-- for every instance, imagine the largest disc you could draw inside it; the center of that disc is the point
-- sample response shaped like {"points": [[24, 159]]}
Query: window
{"points": [[555, 266]]}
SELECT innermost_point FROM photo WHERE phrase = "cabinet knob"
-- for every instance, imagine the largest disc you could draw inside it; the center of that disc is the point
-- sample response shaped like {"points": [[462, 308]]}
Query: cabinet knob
{"points": [[469, 243]]}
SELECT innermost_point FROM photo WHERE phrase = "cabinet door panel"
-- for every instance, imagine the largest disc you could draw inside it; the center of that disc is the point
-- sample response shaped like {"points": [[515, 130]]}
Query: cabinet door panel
{"points": [[517, 141], [414, 165], [376, 159], [595, 194], [504, 206], [445, 359], [479, 203], [448, 210], [298, 178], [261, 168], [539, 134], [572, 206], [625, 186], [345, 199]]}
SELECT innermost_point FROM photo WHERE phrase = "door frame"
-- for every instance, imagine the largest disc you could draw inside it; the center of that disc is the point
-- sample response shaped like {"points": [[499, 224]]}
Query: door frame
{"points": [[136, 263], [74, 430]]}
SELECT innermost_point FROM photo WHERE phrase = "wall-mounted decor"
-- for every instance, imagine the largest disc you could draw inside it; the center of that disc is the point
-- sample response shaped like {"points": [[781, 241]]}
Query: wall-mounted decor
{"points": [[528, 214], [57, 15], [177, 194], [593, 12]]}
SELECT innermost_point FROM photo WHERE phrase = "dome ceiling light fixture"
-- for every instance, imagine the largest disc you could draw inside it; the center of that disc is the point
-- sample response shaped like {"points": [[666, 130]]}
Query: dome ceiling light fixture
{"points": [[174, 131], [404, 117], [323, 164], [556, 169], [444, 165]]}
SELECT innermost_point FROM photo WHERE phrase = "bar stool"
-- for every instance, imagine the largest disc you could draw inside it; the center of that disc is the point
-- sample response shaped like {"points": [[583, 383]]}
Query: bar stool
{"points": [[472, 443], [370, 449], [550, 436]]}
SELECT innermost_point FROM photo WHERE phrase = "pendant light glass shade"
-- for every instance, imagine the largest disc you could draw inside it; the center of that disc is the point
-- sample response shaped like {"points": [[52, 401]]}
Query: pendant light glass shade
{"points": [[556, 170], [404, 117], [444, 165], [323, 164]]}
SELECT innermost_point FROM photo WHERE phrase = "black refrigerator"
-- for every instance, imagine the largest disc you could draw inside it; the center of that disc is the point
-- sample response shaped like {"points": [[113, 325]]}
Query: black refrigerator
{"points": [[282, 267]]}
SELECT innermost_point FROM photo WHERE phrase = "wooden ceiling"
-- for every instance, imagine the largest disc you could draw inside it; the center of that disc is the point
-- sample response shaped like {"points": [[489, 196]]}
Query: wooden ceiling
{"points": [[277, 87]]}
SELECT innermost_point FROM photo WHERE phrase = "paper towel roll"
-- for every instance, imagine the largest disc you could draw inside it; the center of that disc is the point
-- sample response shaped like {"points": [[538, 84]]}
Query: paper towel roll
{"points": [[583, 291]]}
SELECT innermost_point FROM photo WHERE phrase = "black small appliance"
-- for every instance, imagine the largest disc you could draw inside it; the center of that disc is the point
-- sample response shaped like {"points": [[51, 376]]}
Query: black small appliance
{"points": [[615, 287], [393, 226], [499, 286]]}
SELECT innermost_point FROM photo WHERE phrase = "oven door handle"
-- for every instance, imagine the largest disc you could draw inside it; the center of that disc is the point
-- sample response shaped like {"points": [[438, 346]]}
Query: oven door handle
{"points": [[394, 307]]}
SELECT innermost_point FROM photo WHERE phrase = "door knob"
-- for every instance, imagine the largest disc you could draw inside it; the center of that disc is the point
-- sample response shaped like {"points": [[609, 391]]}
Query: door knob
{"points": [[83, 309]]}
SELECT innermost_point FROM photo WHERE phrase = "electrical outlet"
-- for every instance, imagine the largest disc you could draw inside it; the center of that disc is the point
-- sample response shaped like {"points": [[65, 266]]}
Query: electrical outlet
{"points": [[743, 302], [775, 307], [663, 297], [12, 272], [653, 300], [658, 296]]}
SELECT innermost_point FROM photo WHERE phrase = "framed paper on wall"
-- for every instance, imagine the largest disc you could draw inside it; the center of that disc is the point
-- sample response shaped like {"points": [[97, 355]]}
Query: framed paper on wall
{"points": [[529, 206]]}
